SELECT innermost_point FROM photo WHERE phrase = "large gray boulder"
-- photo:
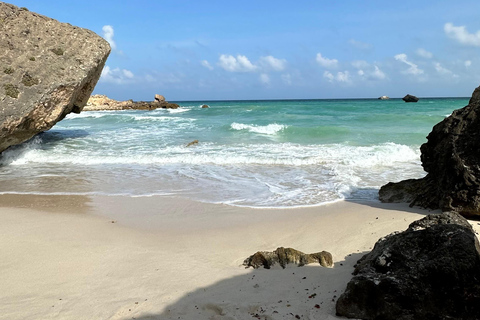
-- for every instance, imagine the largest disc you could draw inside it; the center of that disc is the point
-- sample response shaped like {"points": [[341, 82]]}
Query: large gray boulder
{"points": [[47, 70], [451, 157], [429, 271]]}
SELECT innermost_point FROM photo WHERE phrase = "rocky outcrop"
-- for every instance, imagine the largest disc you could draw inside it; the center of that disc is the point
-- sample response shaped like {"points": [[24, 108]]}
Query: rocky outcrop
{"points": [[47, 70], [101, 102], [451, 157], [410, 98], [205, 106], [383, 98], [429, 271], [284, 256]]}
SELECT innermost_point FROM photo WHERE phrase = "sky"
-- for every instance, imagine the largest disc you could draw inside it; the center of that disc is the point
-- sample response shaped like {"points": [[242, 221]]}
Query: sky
{"points": [[246, 50]]}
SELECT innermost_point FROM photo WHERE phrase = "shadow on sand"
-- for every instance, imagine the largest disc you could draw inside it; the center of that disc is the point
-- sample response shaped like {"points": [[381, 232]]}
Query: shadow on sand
{"points": [[308, 292]]}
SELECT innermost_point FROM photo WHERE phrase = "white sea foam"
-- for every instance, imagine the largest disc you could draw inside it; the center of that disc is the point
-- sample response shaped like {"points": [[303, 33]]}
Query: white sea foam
{"points": [[209, 153], [178, 110], [265, 175], [87, 114], [269, 129]]}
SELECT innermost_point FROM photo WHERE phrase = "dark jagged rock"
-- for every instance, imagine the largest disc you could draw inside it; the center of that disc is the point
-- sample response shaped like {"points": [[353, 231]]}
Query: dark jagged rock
{"points": [[429, 271], [452, 159], [284, 256], [410, 98], [47, 70]]}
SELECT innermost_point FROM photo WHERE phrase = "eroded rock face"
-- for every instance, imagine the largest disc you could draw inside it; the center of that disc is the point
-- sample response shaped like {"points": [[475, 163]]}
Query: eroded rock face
{"points": [[101, 102], [47, 70], [452, 159], [429, 271], [284, 256]]}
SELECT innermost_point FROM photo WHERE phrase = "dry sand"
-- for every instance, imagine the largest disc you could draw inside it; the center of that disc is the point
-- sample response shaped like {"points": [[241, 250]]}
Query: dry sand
{"points": [[170, 258]]}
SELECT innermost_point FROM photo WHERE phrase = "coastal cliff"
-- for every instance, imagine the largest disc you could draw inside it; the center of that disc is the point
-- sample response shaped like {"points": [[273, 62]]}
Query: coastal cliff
{"points": [[47, 70]]}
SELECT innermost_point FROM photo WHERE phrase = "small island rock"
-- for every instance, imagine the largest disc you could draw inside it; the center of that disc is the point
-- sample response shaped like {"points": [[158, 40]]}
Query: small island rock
{"points": [[384, 98], [410, 98]]}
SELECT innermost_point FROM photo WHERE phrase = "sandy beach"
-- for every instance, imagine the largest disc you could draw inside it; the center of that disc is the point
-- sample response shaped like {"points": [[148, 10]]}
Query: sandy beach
{"points": [[172, 258]]}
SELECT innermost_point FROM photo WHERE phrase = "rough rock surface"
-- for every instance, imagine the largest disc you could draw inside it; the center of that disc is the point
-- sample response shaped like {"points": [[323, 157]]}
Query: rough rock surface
{"points": [[47, 70], [284, 256], [429, 271], [410, 98], [159, 98], [101, 102], [452, 159]]}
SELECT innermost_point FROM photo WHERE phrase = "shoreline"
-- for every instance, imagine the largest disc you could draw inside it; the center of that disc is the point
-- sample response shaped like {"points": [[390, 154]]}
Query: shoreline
{"points": [[165, 258]]}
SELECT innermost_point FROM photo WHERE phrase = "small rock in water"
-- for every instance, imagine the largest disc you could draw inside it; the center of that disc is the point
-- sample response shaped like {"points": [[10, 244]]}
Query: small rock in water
{"points": [[194, 142]]}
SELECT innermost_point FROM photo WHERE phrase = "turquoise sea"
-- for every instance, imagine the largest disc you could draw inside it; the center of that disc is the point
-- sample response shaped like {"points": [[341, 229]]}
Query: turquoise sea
{"points": [[280, 153]]}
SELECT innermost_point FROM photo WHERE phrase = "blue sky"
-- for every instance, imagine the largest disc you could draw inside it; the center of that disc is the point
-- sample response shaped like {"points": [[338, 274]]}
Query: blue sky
{"points": [[215, 50]]}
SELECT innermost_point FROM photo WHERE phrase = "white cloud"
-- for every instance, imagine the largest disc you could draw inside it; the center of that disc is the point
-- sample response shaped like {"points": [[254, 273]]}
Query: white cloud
{"points": [[265, 78], [339, 77], [402, 57], [127, 74], [117, 75], [287, 78], [366, 71], [108, 34], [424, 53], [273, 63], [236, 64], [360, 64], [442, 70], [378, 74], [328, 75], [343, 76], [468, 63], [325, 62], [206, 64], [461, 35], [359, 45]]}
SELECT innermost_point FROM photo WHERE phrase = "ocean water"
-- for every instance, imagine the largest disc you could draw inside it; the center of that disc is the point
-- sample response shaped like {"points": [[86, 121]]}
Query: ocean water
{"points": [[250, 153]]}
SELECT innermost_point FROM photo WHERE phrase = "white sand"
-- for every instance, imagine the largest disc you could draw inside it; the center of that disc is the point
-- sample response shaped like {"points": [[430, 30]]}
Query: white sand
{"points": [[168, 258]]}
